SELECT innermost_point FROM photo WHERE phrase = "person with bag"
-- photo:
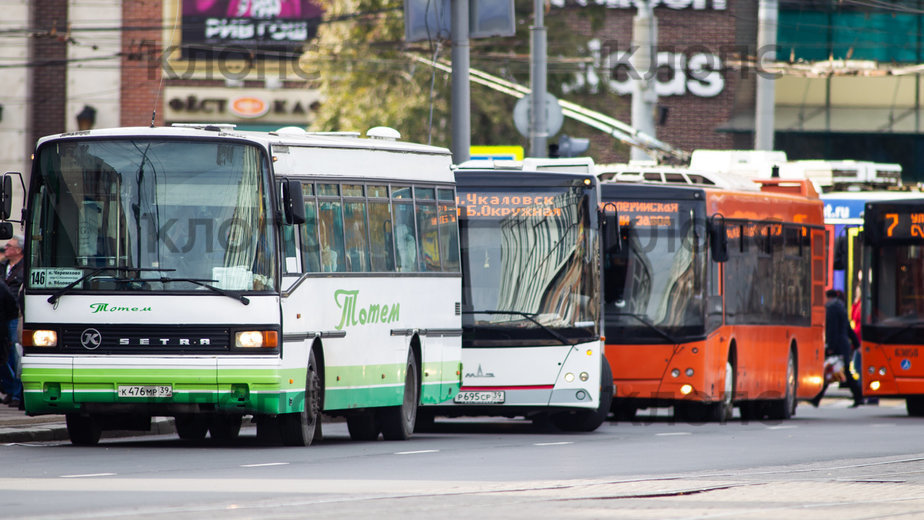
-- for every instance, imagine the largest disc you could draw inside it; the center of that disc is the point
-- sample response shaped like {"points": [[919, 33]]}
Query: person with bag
{"points": [[840, 341]]}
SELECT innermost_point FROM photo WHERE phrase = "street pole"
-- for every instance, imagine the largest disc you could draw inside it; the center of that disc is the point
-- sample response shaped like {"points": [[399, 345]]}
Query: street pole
{"points": [[461, 94], [644, 96], [538, 125], [767, 16]]}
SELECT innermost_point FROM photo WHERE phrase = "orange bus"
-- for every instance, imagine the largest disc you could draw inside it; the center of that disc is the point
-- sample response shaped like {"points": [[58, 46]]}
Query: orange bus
{"points": [[714, 298], [893, 301]]}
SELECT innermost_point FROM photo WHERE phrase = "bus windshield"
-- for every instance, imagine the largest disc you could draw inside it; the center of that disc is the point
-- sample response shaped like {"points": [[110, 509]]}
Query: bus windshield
{"points": [[529, 269], [151, 214], [898, 285], [655, 281]]}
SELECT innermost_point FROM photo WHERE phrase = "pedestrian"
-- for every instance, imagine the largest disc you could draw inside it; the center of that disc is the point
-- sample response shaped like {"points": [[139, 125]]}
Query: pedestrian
{"points": [[840, 341], [13, 275], [9, 382]]}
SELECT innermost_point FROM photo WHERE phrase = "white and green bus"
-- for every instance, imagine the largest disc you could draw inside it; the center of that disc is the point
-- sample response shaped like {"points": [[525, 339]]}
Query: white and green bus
{"points": [[208, 274], [531, 296]]}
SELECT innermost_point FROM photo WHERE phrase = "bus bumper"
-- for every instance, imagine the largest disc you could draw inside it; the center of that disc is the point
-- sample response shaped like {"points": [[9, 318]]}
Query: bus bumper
{"points": [[160, 386]]}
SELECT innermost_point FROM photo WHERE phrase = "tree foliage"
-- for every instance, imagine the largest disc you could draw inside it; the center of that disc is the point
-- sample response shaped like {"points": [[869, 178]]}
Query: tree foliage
{"points": [[368, 75]]}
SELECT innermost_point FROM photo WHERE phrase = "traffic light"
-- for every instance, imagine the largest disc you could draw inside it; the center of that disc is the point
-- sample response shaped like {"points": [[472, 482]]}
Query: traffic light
{"points": [[572, 146]]}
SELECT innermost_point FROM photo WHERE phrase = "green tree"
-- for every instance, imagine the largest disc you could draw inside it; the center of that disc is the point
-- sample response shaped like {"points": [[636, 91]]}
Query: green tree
{"points": [[369, 76]]}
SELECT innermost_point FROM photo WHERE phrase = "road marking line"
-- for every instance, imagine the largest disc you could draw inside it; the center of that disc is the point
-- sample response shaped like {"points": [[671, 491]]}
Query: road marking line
{"points": [[672, 434], [552, 443], [264, 464], [416, 452], [882, 425], [783, 427], [89, 475]]}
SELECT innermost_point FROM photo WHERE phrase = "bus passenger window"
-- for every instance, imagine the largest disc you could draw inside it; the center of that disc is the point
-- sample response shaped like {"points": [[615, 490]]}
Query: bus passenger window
{"points": [[354, 219], [405, 238], [289, 248], [429, 237], [380, 236], [449, 231], [331, 237], [311, 251]]}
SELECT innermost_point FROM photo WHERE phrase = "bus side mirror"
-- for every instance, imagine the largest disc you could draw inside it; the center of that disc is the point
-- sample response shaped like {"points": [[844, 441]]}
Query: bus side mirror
{"points": [[293, 202], [6, 230], [612, 235], [6, 196], [718, 239]]}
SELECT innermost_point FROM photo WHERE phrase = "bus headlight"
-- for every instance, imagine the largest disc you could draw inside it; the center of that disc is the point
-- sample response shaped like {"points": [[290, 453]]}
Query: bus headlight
{"points": [[584, 376], [882, 371], [675, 372], [874, 386], [256, 339], [686, 389], [44, 338], [569, 377], [689, 372]]}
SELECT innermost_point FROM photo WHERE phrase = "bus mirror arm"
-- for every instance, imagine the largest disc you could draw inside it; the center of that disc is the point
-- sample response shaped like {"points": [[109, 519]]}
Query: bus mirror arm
{"points": [[612, 237], [718, 238], [293, 202]]}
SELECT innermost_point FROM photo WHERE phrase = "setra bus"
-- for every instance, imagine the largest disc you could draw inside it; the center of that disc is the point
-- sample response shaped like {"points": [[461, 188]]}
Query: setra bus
{"points": [[531, 304], [204, 273], [714, 298], [893, 301]]}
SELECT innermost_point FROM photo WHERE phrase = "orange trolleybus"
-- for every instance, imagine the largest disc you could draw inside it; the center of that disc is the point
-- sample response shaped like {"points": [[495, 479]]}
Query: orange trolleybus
{"points": [[893, 301], [714, 299]]}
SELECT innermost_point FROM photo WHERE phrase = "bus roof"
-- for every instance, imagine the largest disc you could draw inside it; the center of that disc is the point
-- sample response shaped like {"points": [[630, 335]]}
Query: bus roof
{"points": [[292, 136]]}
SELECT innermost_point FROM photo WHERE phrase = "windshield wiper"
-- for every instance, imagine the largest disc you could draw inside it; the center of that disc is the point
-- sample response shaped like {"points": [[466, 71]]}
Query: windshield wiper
{"points": [[66, 289], [661, 332], [203, 282], [528, 316]]}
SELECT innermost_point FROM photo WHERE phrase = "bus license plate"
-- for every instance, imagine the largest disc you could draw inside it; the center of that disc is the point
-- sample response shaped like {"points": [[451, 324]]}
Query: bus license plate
{"points": [[495, 397], [145, 391]]}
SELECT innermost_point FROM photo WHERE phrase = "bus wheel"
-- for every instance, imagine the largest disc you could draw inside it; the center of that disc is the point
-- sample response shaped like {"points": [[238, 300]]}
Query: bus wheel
{"points": [[191, 427], [299, 428], [782, 409], [589, 420], [915, 406], [398, 421], [363, 426], [83, 430], [426, 421], [225, 427]]}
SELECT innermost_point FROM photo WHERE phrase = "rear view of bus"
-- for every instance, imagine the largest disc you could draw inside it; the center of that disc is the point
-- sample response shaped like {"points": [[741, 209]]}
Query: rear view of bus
{"points": [[893, 302], [531, 301]]}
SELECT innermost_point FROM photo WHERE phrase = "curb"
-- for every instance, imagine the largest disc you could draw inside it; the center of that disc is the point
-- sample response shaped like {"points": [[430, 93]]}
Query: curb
{"points": [[58, 432]]}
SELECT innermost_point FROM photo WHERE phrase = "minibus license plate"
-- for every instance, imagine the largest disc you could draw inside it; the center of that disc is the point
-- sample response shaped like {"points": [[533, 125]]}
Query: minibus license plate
{"points": [[145, 391], [495, 397]]}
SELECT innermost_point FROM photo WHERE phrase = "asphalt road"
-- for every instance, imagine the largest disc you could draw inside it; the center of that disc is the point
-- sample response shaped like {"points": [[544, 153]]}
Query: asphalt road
{"points": [[827, 462]]}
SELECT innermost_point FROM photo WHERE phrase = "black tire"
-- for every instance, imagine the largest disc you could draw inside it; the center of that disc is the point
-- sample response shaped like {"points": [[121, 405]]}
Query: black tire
{"points": [[589, 420], [426, 421], [785, 408], [83, 430], [363, 426], [191, 427], [398, 421], [299, 428], [225, 427], [915, 406], [267, 429]]}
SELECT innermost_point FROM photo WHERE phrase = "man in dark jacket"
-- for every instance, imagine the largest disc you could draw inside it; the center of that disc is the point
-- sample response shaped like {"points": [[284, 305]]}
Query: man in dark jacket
{"points": [[840, 340], [9, 383]]}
